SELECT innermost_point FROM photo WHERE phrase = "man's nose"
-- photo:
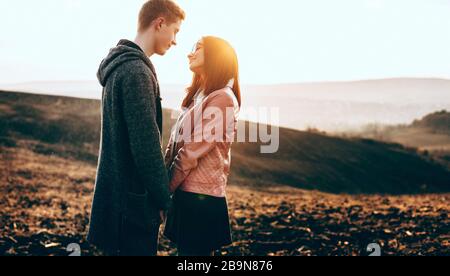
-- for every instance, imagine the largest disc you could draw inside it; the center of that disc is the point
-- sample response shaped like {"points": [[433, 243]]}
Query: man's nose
{"points": [[174, 42], [190, 55]]}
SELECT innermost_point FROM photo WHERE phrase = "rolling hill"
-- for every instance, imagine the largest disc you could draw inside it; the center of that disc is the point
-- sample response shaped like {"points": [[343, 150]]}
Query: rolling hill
{"points": [[69, 127], [437, 122]]}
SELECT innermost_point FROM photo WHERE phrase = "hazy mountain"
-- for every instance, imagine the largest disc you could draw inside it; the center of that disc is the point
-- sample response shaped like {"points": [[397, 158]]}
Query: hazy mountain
{"points": [[330, 106]]}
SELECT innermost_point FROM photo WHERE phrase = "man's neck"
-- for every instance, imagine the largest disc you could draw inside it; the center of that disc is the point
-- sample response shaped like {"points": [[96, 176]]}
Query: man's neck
{"points": [[143, 43]]}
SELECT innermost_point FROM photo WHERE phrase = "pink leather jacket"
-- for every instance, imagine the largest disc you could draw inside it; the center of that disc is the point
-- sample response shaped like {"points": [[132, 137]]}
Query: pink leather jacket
{"points": [[198, 154]]}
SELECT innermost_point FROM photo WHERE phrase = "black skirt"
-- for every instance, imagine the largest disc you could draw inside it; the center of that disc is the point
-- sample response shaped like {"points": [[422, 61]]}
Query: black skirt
{"points": [[198, 221]]}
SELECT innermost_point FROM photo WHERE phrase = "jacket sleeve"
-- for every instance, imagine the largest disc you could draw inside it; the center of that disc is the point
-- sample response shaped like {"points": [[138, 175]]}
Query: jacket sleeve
{"points": [[168, 153], [139, 110], [187, 158]]}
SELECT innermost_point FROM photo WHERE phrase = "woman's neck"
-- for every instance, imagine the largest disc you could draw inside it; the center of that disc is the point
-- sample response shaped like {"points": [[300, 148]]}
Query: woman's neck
{"points": [[202, 82]]}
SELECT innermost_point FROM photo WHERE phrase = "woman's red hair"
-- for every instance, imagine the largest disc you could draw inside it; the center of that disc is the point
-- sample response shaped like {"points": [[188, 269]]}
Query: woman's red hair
{"points": [[220, 66]]}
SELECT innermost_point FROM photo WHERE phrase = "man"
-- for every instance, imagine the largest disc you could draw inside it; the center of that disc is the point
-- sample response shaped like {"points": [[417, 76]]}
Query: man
{"points": [[131, 190]]}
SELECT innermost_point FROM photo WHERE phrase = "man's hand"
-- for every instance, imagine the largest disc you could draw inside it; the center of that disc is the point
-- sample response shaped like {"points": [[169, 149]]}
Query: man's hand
{"points": [[163, 216]]}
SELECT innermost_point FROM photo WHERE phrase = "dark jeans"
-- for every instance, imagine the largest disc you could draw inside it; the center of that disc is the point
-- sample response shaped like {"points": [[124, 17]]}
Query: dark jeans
{"points": [[137, 242]]}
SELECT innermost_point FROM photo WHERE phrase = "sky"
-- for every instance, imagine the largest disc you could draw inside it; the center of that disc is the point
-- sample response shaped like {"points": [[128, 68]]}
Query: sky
{"points": [[283, 41]]}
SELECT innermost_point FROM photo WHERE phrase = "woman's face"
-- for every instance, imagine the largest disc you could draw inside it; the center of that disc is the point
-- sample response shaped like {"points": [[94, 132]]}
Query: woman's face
{"points": [[197, 58]]}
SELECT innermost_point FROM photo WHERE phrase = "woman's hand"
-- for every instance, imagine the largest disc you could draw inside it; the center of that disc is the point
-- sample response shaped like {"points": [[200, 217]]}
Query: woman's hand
{"points": [[163, 216]]}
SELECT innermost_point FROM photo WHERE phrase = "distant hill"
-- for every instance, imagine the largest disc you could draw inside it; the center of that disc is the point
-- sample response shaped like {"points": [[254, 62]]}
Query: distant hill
{"points": [[438, 122], [70, 127], [430, 133], [329, 106]]}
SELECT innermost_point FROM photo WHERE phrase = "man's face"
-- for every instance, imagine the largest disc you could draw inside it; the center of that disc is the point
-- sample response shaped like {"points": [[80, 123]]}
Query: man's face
{"points": [[166, 36]]}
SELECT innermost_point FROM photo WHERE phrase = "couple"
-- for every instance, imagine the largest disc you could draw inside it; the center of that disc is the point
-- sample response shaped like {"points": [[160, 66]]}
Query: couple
{"points": [[138, 188]]}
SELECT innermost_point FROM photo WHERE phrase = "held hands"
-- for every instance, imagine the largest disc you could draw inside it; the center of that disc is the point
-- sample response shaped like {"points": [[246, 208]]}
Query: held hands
{"points": [[163, 216]]}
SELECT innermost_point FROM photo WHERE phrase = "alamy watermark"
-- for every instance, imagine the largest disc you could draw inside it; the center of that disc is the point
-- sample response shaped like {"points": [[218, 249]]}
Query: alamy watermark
{"points": [[214, 124], [74, 249]]}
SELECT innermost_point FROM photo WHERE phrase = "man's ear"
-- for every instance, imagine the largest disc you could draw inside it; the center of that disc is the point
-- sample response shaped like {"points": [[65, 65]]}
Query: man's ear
{"points": [[159, 22]]}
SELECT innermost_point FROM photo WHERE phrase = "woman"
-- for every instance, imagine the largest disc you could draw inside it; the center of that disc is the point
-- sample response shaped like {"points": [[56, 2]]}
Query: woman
{"points": [[198, 154]]}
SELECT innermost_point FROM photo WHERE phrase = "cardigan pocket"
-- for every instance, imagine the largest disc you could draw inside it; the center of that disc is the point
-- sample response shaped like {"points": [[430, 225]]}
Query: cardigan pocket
{"points": [[140, 213]]}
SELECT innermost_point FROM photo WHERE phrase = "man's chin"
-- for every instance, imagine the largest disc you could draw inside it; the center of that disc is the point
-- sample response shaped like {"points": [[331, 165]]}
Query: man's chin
{"points": [[162, 52]]}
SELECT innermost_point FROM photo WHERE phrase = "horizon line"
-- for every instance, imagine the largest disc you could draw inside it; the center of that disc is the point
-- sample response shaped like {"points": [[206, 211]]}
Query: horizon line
{"points": [[247, 84]]}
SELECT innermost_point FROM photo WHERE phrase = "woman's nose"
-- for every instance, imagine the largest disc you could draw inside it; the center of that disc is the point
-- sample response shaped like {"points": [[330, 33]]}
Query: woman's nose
{"points": [[190, 55]]}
